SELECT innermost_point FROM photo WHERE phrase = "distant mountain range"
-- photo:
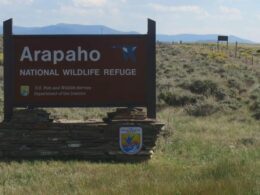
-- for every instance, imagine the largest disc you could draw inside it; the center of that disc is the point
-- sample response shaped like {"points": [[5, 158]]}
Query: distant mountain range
{"points": [[191, 38], [100, 29]]}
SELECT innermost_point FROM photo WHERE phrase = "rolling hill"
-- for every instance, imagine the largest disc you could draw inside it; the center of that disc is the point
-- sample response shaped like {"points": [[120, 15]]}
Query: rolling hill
{"points": [[67, 29], [101, 29]]}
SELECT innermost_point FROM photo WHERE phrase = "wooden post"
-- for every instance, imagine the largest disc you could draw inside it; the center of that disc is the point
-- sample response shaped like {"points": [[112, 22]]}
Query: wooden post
{"points": [[227, 44], [236, 50], [151, 80], [8, 66]]}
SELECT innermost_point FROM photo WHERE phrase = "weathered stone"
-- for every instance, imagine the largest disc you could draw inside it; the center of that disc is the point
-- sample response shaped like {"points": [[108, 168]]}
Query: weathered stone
{"points": [[31, 116], [126, 114], [94, 141], [74, 144]]}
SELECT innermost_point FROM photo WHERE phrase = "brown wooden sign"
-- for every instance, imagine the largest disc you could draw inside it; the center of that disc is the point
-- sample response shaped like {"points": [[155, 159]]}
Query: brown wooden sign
{"points": [[79, 70]]}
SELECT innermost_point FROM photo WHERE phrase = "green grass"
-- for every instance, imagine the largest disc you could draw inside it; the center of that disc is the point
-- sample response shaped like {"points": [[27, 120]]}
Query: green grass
{"points": [[210, 155], [214, 154]]}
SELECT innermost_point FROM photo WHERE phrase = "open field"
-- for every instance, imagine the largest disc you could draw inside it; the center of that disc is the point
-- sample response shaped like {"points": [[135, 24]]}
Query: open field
{"points": [[211, 155], [210, 103]]}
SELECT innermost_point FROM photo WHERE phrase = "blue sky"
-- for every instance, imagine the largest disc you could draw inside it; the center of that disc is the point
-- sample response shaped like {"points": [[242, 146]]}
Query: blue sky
{"points": [[236, 17]]}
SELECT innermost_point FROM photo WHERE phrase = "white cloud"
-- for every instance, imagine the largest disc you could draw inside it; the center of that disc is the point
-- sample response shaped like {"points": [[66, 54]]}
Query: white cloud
{"points": [[177, 9], [84, 10], [15, 2], [82, 13], [89, 3], [227, 10], [97, 8], [230, 13], [231, 1]]}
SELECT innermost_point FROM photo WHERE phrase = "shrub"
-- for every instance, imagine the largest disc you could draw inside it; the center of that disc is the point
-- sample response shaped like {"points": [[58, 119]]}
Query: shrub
{"points": [[218, 57], [256, 114], [203, 87], [202, 108], [234, 83], [255, 94], [255, 108], [207, 88], [178, 99], [232, 104], [189, 68], [175, 52]]}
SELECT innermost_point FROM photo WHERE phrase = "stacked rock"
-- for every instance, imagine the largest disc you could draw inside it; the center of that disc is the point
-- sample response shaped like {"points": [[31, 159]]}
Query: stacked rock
{"points": [[31, 116], [126, 114]]}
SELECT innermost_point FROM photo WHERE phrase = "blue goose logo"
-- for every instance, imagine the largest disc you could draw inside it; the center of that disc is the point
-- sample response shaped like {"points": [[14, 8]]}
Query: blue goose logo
{"points": [[129, 53]]}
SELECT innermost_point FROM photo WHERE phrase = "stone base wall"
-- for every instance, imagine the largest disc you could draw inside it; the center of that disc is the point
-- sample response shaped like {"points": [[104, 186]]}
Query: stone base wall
{"points": [[91, 141]]}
